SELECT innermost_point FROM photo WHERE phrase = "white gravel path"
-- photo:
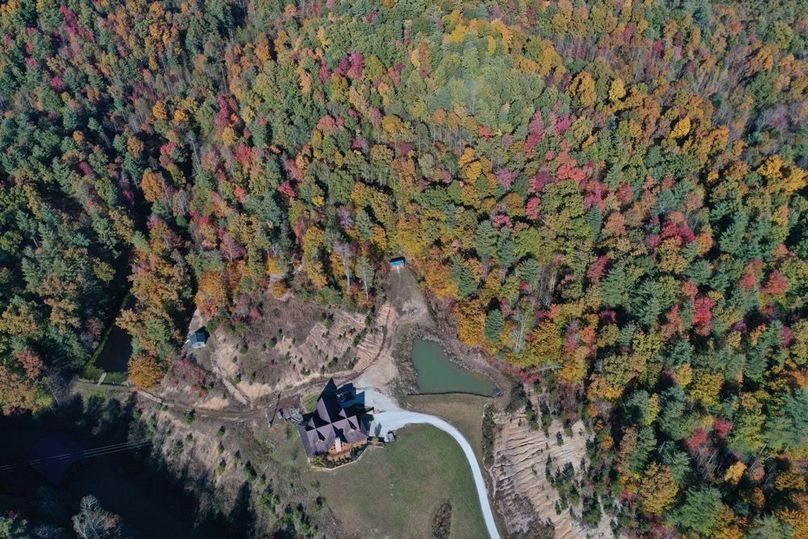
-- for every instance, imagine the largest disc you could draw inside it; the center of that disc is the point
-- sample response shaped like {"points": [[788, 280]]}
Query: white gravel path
{"points": [[389, 416]]}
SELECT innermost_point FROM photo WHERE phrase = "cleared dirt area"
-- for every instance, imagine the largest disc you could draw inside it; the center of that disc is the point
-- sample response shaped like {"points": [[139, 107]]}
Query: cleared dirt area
{"points": [[403, 310], [292, 342], [520, 457], [296, 345]]}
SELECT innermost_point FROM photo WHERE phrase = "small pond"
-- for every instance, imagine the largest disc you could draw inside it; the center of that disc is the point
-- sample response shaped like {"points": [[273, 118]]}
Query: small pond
{"points": [[435, 372], [117, 350]]}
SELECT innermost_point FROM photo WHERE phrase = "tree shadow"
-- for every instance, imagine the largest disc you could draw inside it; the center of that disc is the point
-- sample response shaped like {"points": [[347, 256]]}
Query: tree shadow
{"points": [[239, 522], [153, 499]]}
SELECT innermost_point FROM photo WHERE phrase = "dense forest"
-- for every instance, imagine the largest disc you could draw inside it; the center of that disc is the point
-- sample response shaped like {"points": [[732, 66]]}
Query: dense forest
{"points": [[609, 197]]}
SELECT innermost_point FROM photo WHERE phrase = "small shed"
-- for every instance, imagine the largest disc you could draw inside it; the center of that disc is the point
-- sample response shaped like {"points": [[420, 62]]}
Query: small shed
{"points": [[199, 338], [397, 263]]}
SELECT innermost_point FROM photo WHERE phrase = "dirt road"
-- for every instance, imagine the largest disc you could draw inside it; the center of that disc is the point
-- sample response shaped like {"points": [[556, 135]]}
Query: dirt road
{"points": [[237, 415]]}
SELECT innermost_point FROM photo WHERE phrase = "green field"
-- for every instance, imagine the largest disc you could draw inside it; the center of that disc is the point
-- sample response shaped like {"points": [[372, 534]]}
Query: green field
{"points": [[394, 491], [463, 411]]}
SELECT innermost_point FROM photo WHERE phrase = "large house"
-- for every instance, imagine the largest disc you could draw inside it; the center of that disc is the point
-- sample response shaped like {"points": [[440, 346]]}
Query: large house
{"points": [[338, 424]]}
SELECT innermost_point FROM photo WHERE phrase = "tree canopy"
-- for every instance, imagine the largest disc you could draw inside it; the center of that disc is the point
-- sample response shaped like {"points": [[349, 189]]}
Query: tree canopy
{"points": [[615, 191]]}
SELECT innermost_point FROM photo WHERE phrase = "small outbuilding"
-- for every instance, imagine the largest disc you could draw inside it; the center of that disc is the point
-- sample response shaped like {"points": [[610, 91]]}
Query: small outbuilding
{"points": [[397, 263], [199, 338]]}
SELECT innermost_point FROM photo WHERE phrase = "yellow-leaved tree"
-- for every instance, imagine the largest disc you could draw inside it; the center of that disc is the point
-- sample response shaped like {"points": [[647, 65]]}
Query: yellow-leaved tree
{"points": [[658, 489]]}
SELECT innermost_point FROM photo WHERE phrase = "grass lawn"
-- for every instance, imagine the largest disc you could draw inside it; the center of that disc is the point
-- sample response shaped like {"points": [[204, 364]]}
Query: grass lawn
{"points": [[309, 401], [463, 411], [394, 491]]}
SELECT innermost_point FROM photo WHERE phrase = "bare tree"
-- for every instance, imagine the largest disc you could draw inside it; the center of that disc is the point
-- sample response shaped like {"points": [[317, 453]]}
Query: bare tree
{"points": [[365, 270], [93, 522], [524, 322]]}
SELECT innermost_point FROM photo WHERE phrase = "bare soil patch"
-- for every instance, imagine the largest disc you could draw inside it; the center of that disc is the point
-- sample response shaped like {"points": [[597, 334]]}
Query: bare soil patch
{"points": [[520, 457]]}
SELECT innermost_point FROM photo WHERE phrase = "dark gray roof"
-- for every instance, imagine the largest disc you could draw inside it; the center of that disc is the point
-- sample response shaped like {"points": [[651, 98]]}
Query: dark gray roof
{"points": [[200, 335], [331, 420]]}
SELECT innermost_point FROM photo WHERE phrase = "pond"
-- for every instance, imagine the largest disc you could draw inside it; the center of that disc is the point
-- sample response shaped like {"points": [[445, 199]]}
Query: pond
{"points": [[117, 350], [435, 372]]}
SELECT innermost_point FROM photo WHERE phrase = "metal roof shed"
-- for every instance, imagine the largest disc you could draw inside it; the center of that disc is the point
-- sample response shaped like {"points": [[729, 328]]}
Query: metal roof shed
{"points": [[199, 338]]}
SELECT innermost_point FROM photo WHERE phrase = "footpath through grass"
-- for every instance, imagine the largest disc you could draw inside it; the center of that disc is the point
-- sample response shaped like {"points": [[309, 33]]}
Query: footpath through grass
{"points": [[396, 490]]}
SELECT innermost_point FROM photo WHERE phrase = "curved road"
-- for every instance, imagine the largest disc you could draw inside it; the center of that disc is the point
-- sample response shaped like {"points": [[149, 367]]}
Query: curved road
{"points": [[390, 417]]}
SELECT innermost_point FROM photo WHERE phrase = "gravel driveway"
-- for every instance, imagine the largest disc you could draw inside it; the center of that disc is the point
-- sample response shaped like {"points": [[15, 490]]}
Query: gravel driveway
{"points": [[389, 416]]}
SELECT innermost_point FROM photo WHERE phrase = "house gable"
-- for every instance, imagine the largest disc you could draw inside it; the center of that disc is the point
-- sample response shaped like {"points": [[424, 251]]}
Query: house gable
{"points": [[336, 424]]}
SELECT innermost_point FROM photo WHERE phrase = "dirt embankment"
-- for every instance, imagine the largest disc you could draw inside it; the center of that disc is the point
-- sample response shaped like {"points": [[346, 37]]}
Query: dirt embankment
{"points": [[294, 348], [403, 309], [523, 493]]}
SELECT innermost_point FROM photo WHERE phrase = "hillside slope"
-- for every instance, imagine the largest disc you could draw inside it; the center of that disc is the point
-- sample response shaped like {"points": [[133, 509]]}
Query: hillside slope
{"points": [[609, 198]]}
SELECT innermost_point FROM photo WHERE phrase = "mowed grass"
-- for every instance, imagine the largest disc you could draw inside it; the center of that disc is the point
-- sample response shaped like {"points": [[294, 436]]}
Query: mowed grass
{"points": [[395, 491], [463, 411]]}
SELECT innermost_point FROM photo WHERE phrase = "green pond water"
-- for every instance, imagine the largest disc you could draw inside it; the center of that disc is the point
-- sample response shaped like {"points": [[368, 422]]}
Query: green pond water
{"points": [[435, 372], [117, 350]]}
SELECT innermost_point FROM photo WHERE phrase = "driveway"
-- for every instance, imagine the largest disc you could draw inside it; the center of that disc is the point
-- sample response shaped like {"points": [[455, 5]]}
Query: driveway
{"points": [[388, 416]]}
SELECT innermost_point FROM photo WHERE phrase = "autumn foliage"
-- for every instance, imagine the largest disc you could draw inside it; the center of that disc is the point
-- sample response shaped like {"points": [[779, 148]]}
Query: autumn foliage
{"points": [[146, 371], [607, 197]]}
